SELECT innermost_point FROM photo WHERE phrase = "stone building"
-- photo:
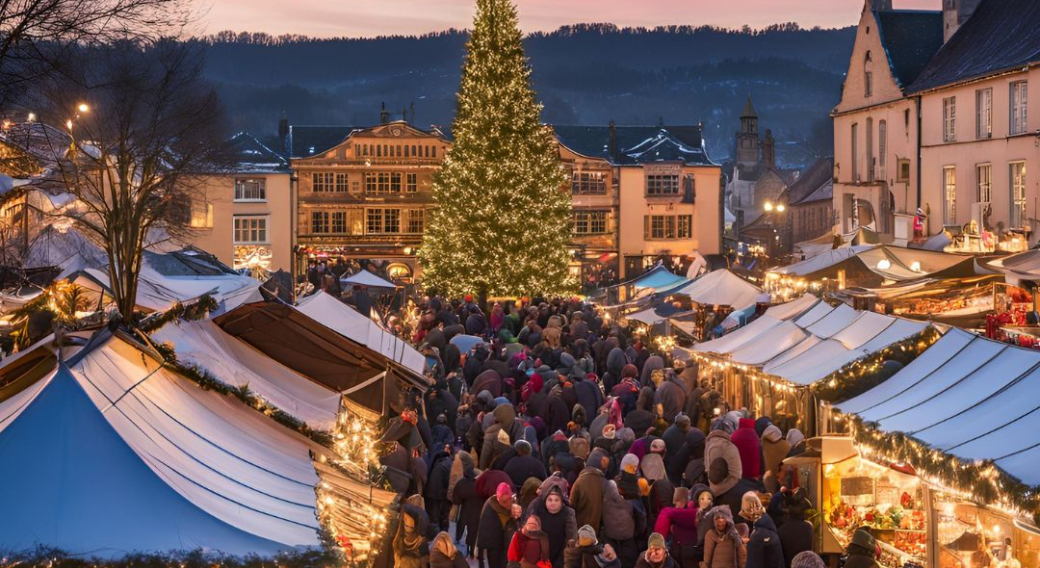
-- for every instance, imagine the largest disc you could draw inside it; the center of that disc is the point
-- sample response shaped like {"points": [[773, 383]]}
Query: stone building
{"points": [[902, 143], [810, 202], [669, 201], [755, 179], [363, 192]]}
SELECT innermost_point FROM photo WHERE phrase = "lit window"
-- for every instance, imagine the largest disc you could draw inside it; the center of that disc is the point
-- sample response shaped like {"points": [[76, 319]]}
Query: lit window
{"points": [[950, 119], [949, 195], [1019, 100]]}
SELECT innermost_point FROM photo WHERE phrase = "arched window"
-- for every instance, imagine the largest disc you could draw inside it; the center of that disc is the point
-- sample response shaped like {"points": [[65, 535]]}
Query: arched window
{"points": [[868, 76]]}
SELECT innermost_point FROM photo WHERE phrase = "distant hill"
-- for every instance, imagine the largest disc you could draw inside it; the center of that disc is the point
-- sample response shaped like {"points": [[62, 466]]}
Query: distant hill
{"points": [[586, 74]]}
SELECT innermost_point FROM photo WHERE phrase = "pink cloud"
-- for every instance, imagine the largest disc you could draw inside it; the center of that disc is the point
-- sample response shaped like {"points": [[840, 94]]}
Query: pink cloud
{"points": [[383, 17]]}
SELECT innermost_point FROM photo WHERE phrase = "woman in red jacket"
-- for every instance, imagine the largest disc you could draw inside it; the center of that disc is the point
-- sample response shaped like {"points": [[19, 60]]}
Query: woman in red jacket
{"points": [[530, 546]]}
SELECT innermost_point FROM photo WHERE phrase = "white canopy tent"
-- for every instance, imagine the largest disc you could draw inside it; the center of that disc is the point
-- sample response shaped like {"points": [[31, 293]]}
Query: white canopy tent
{"points": [[720, 288], [805, 348], [347, 322], [158, 292], [118, 453], [967, 396], [366, 278], [236, 363]]}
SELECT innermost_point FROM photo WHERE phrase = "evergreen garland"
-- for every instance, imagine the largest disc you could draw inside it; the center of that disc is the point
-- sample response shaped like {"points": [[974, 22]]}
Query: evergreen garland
{"points": [[194, 311], [206, 381], [982, 479], [502, 225], [860, 376]]}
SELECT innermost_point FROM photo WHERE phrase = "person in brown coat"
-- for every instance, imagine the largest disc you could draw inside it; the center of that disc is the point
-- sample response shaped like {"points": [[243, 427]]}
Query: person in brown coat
{"points": [[723, 546], [587, 492], [774, 449], [443, 553]]}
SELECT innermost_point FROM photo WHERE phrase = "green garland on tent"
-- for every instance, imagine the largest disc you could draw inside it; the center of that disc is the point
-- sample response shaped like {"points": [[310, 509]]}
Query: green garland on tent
{"points": [[864, 374], [55, 558], [204, 379], [191, 312], [982, 479]]}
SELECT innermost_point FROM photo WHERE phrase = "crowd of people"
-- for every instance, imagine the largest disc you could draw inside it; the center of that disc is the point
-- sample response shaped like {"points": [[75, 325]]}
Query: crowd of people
{"points": [[560, 440]]}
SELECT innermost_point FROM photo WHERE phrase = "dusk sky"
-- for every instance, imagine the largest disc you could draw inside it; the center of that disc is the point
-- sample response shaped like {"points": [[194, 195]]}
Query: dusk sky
{"points": [[387, 17]]}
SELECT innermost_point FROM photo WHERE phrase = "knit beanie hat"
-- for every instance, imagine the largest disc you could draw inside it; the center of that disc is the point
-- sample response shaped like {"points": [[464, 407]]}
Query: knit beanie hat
{"points": [[657, 446], [503, 490], [656, 541], [630, 463], [629, 370], [586, 536], [807, 559]]}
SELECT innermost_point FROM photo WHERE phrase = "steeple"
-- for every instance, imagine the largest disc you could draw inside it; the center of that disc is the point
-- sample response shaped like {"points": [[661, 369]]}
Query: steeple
{"points": [[749, 110]]}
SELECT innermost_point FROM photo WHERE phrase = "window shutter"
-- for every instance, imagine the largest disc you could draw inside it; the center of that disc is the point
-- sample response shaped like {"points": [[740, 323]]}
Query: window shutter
{"points": [[646, 227]]}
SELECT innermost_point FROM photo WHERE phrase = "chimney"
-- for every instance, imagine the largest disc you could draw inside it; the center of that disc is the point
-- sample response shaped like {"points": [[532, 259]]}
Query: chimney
{"points": [[384, 116], [769, 150], [283, 130], [612, 145], [411, 112], [955, 13]]}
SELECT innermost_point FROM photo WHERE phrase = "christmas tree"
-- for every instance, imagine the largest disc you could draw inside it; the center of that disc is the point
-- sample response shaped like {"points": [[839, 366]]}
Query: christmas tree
{"points": [[502, 223]]}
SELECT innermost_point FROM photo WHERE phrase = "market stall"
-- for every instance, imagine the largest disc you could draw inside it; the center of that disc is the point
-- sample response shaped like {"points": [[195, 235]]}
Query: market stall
{"points": [[964, 414], [772, 365]]}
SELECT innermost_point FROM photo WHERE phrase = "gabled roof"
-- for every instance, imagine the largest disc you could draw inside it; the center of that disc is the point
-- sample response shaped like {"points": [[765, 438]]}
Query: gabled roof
{"points": [[1000, 35], [250, 155], [304, 140], [910, 39], [818, 174], [637, 144]]}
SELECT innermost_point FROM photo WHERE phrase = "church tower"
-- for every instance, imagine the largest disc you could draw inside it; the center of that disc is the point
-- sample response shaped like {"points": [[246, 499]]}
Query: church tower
{"points": [[748, 144]]}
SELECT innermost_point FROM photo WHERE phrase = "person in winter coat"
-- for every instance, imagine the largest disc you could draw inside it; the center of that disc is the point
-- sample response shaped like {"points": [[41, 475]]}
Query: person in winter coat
{"points": [[674, 439], [443, 553], [558, 522], [774, 449], [723, 547], [586, 552], [861, 550], [587, 492], [437, 503], [750, 509], [719, 445], [504, 421], [746, 441], [630, 484], [622, 521], [703, 501], [530, 545], [524, 466], [679, 525], [656, 555], [728, 489], [464, 495], [796, 534], [498, 522], [692, 455], [529, 492], [654, 363], [764, 549], [590, 397], [670, 396], [410, 544]]}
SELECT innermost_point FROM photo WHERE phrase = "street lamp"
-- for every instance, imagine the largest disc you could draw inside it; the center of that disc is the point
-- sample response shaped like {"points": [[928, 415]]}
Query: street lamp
{"points": [[780, 207], [768, 206], [83, 107]]}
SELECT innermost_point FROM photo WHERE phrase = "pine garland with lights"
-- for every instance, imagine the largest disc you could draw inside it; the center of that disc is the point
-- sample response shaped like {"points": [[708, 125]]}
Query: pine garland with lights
{"points": [[502, 225], [864, 374], [194, 311], [980, 480]]}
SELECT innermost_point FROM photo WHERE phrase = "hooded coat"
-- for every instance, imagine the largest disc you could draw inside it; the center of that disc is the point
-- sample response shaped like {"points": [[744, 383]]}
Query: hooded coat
{"points": [[443, 553], [655, 363], [725, 549], [464, 494], [561, 527], [671, 395], [589, 397], [505, 421], [774, 450], [522, 468], [719, 445], [690, 458], [746, 441], [492, 532], [764, 549], [619, 521], [587, 497]]}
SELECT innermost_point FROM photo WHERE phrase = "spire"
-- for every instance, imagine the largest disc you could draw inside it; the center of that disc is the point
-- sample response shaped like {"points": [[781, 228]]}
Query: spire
{"points": [[749, 110]]}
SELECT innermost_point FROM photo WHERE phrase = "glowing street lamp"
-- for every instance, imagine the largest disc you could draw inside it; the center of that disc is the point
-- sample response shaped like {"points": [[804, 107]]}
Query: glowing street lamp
{"points": [[768, 206], [83, 107]]}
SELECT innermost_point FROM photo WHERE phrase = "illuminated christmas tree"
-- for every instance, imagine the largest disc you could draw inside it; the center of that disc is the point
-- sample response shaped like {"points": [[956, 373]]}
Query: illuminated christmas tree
{"points": [[502, 223]]}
